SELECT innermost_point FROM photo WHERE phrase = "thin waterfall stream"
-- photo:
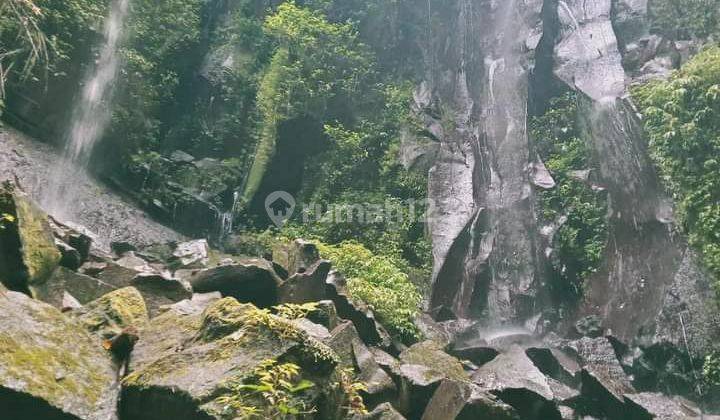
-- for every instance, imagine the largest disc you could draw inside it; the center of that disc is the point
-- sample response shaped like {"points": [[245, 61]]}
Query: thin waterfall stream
{"points": [[90, 117]]}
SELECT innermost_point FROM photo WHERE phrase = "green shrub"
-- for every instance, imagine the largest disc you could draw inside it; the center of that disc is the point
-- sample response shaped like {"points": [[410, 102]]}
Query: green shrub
{"points": [[378, 281], [581, 240], [711, 369], [682, 120], [685, 19]]}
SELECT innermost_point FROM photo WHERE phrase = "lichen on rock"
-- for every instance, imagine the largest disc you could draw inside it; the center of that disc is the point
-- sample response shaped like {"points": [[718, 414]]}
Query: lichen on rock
{"points": [[110, 314], [52, 360]]}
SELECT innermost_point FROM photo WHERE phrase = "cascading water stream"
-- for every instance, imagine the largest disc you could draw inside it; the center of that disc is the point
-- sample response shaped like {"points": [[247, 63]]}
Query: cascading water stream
{"points": [[90, 116]]}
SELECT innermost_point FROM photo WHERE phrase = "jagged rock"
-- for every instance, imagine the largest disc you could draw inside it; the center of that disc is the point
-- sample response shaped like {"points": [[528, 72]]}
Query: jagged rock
{"points": [[431, 355], [308, 286], [417, 385], [121, 248], [69, 303], [432, 330], [603, 379], [324, 314], [658, 406], [51, 368], [193, 254], [187, 357], [110, 314], [250, 281], [28, 255], [423, 367], [371, 332], [314, 330], [110, 273], [380, 387], [465, 401], [76, 236], [516, 381], [555, 364], [297, 256], [70, 258], [160, 291], [341, 340], [132, 262], [540, 176], [384, 411], [589, 326], [477, 353], [83, 288], [178, 156]]}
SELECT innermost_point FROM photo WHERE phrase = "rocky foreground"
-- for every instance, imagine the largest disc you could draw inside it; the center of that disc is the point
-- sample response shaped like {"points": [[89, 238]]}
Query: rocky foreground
{"points": [[180, 331]]}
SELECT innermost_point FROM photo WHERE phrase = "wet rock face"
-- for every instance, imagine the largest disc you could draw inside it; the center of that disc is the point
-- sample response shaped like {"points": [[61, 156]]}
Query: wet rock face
{"points": [[51, 367], [483, 223]]}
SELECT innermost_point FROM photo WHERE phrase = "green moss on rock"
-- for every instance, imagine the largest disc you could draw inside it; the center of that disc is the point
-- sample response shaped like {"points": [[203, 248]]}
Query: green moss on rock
{"points": [[108, 315], [47, 356], [431, 355], [40, 254]]}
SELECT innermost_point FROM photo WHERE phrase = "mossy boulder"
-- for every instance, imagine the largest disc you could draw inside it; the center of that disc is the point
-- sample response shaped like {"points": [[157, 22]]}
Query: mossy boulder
{"points": [[27, 245], [110, 314], [189, 360], [51, 368]]}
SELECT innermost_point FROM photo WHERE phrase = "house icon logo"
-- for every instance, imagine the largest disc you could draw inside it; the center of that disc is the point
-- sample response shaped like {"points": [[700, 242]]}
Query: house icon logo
{"points": [[280, 207]]}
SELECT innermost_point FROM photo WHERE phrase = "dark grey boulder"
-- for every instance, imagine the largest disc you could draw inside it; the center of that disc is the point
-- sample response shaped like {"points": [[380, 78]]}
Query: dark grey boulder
{"points": [[604, 382], [371, 332], [51, 367], [466, 401], [249, 281], [423, 368], [70, 257], [83, 288], [555, 364], [658, 406], [308, 286], [297, 256], [160, 291], [380, 386], [384, 411], [513, 378]]}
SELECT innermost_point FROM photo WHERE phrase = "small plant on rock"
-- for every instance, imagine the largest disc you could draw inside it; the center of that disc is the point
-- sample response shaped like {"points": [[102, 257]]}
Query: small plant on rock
{"points": [[278, 386]]}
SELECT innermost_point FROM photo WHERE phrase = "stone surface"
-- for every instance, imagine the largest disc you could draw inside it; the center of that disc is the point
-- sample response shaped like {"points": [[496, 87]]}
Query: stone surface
{"points": [[371, 332], [308, 286], [516, 381], [83, 288], [193, 254], [159, 291], [186, 357], [380, 387], [297, 256], [110, 314], [604, 381], [658, 406], [384, 411], [28, 255], [465, 401], [251, 280], [51, 367]]}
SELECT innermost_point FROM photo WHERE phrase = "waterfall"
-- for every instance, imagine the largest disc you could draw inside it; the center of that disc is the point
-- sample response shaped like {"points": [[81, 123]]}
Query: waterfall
{"points": [[90, 116]]}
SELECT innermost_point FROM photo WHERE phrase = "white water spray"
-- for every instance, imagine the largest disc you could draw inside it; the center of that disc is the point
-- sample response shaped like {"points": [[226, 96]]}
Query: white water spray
{"points": [[90, 116]]}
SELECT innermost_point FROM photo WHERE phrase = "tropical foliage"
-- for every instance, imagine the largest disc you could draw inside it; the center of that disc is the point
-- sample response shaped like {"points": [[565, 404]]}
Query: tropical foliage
{"points": [[574, 207], [682, 119]]}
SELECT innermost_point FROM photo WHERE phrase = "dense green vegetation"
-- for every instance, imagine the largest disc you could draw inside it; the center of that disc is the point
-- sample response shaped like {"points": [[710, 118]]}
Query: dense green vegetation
{"points": [[380, 282], [578, 209], [682, 119], [685, 19]]}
